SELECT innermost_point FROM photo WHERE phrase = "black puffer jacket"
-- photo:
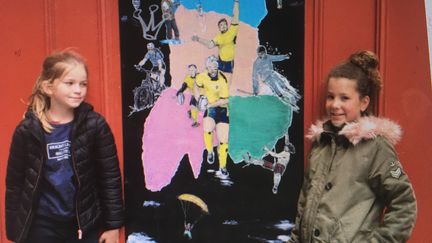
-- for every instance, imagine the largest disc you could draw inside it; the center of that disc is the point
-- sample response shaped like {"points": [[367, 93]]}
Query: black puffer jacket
{"points": [[95, 163]]}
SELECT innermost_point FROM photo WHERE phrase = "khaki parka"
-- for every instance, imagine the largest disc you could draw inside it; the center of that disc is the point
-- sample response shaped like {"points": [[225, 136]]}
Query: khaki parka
{"points": [[354, 175]]}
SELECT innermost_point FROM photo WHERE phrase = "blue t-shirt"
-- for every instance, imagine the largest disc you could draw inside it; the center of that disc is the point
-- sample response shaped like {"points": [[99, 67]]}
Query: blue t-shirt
{"points": [[154, 57], [57, 198]]}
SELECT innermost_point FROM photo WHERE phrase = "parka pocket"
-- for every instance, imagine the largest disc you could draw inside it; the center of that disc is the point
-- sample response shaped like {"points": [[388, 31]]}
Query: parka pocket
{"points": [[338, 235], [331, 230]]}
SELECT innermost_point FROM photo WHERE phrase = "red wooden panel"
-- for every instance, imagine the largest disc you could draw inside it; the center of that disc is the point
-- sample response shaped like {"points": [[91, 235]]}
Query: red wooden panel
{"points": [[22, 45], [407, 98], [334, 29], [79, 27], [347, 26]]}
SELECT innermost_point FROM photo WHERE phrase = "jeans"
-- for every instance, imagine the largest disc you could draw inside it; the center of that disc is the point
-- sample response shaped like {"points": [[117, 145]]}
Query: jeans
{"points": [[47, 230]]}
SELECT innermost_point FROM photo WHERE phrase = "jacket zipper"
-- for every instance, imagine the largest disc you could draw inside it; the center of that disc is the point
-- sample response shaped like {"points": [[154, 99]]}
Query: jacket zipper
{"points": [[33, 194], [334, 148], [80, 233], [316, 204]]}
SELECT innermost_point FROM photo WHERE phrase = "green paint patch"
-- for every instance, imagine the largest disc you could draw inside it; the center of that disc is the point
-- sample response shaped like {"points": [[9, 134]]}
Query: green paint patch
{"points": [[256, 122]]}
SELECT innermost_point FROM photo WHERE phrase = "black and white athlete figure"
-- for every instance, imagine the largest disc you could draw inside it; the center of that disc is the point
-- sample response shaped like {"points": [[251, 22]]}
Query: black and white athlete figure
{"points": [[148, 92], [154, 55], [278, 166], [168, 8], [263, 71]]}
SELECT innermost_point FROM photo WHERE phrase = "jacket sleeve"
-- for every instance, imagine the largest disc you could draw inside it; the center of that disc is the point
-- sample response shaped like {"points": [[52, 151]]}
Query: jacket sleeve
{"points": [[14, 182], [109, 177], [393, 188]]}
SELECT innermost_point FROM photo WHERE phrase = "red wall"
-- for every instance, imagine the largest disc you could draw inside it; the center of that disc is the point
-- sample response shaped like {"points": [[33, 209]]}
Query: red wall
{"points": [[396, 30], [32, 29], [410, 101]]}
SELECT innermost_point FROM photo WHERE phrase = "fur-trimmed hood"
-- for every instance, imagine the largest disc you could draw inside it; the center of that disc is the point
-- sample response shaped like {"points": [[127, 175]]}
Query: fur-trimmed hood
{"points": [[367, 127]]}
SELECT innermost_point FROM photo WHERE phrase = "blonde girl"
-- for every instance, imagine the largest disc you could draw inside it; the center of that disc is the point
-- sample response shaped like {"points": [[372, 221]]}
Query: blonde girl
{"points": [[63, 180]]}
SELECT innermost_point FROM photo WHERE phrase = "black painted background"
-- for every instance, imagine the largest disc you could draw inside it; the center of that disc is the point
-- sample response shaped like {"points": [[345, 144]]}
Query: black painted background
{"points": [[250, 200]]}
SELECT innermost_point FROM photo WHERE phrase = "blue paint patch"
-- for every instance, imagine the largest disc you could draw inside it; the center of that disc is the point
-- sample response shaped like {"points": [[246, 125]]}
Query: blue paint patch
{"points": [[172, 42], [251, 11]]}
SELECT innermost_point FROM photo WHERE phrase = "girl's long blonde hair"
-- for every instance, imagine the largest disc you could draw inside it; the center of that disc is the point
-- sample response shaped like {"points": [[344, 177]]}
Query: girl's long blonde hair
{"points": [[54, 66]]}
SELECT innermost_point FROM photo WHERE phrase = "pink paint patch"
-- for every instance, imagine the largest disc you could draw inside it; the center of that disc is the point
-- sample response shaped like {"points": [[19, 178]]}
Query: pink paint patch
{"points": [[168, 136], [192, 52]]}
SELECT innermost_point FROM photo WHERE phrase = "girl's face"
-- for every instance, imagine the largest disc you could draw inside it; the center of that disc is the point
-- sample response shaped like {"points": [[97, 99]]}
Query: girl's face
{"points": [[68, 91], [343, 103]]}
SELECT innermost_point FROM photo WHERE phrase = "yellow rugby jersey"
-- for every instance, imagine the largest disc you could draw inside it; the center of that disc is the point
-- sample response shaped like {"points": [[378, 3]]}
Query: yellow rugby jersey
{"points": [[189, 81], [226, 43], [213, 89]]}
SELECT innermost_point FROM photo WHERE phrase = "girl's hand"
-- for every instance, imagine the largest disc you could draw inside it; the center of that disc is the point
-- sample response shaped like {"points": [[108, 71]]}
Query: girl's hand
{"points": [[110, 236]]}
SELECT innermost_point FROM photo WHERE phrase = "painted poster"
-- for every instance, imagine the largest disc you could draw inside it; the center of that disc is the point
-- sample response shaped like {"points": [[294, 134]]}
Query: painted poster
{"points": [[212, 94]]}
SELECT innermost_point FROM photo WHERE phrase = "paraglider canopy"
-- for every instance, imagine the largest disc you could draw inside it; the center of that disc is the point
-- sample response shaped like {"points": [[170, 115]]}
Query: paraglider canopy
{"points": [[191, 218], [194, 199]]}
